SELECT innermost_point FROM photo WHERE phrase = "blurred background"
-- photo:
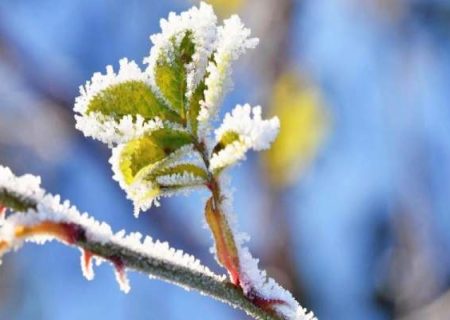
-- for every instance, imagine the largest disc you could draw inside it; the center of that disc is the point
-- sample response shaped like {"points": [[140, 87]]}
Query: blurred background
{"points": [[349, 210]]}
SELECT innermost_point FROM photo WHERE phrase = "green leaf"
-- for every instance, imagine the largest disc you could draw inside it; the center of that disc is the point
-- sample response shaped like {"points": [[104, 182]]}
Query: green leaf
{"points": [[194, 106], [130, 98], [144, 153], [228, 138], [171, 74], [182, 168]]}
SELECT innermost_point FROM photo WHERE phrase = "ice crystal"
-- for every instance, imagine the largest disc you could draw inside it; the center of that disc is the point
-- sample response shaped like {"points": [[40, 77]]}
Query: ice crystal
{"points": [[26, 186], [191, 57], [253, 133], [201, 23], [158, 123], [233, 41], [106, 128], [254, 281], [56, 220], [146, 190]]}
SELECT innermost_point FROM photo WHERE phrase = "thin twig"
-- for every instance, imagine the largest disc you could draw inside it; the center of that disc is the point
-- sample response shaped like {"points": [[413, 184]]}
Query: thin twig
{"points": [[223, 291], [177, 274]]}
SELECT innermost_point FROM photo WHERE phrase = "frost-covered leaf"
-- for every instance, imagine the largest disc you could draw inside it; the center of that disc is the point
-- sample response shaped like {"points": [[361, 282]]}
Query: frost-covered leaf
{"points": [[178, 60], [115, 108], [130, 98], [240, 132], [233, 41], [156, 164], [145, 152], [181, 169], [194, 106], [226, 139], [171, 73]]}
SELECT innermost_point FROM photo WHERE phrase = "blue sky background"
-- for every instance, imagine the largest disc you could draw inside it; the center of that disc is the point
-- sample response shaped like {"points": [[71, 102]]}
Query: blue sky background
{"points": [[369, 219]]}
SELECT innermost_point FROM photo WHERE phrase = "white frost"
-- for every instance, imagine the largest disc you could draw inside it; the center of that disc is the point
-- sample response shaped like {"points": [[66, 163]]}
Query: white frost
{"points": [[145, 193], [201, 22], [180, 179], [253, 280], [128, 71], [111, 131], [254, 133], [86, 265], [51, 209], [104, 128], [233, 41], [26, 186]]}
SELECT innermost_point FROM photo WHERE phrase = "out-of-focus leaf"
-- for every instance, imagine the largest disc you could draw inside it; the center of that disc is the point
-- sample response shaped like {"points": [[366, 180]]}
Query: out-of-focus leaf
{"points": [[304, 123], [130, 98], [171, 74], [226, 7]]}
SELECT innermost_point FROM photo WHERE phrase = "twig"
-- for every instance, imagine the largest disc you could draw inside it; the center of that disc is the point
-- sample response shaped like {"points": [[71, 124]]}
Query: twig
{"points": [[166, 270], [223, 291]]}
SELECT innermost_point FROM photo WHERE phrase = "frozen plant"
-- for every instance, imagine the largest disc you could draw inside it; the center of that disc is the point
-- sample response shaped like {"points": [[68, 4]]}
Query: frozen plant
{"points": [[158, 123]]}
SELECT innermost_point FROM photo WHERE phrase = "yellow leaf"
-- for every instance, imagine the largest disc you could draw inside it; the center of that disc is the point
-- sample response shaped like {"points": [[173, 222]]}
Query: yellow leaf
{"points": [[226, 7], [304, 123]]}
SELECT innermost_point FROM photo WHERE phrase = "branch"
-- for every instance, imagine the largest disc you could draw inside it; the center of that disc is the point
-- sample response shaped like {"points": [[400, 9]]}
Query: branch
{"points": [[221, 290], [39, 217]]}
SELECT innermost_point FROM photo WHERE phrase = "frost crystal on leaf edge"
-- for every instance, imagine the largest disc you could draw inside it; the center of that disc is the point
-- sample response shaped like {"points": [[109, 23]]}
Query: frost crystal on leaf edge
{"points": [[254, 133], [233, 41]]}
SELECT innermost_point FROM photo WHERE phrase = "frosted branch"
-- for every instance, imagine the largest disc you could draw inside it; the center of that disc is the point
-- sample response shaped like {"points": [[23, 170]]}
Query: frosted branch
{"points": [[39, 217]]}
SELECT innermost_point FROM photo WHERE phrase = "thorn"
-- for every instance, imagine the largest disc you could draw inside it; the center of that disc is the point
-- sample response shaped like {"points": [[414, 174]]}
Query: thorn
{"points": [[121, 275], [86, 264]]}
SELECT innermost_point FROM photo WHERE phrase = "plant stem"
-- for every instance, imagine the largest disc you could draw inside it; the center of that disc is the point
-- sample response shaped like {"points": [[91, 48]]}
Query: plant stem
{"points": [[183, 276], [226, 248], [221, 290]]}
